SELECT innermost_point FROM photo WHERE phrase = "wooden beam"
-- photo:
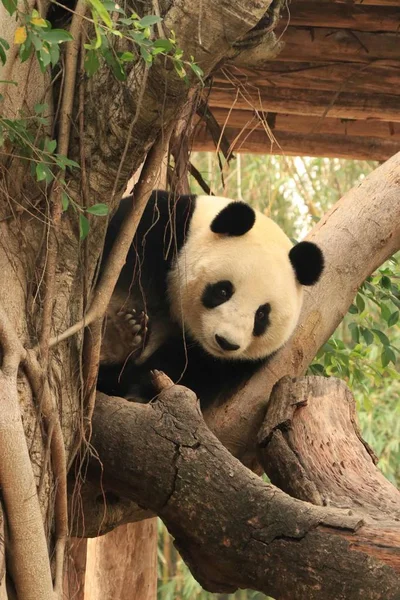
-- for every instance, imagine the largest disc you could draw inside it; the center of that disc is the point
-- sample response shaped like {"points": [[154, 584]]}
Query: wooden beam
{"points": [[307, 102], [348, 77], [363, 2], [292, 144], [305, 125], [323, 43], [343, 16]]}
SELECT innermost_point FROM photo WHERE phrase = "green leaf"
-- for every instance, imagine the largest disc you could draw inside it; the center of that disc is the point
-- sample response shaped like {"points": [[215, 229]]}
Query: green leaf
{"points": [[102, 12], [50, 145], [54, 54], [367, 335], [56, 36], [40, 108], [10, 6], [163, 44], [43, 173], [92, 62], [385, 312], [353, 310], [4, 43], [113, 7], [3, 56], [83, 226], [355, 332], [127, 56], [116, 67], [394, 317], [385, 282], [197, 70], [149, 20], [101, 210], [26, 50], [360, 302], [64, 201], [146, 55], [64, 162], [382, 337], [388, 356]]}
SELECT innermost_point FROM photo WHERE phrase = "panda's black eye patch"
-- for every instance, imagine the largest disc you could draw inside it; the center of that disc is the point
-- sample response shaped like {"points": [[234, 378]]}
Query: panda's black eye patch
{"points": [[261, 319], [217, 293]]}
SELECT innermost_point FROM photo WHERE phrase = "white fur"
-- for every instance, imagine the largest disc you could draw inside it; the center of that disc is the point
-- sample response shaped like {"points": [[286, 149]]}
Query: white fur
{"points": [[257, 263]]}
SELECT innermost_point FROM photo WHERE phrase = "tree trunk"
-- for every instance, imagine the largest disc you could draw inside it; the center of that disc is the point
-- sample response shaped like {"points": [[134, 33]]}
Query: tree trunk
{"points": [[123, 563]]}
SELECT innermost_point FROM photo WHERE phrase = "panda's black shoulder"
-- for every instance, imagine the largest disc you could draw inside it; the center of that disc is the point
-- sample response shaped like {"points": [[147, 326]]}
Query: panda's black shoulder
{"points": [[165, 220]]}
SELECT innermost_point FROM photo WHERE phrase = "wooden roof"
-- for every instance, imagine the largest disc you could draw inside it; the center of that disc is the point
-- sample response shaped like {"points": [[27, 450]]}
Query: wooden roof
{"points": [[333, 90]]}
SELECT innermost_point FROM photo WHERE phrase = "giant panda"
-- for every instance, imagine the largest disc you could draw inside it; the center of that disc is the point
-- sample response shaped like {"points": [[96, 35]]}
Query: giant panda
{"points": [[210, 290]]}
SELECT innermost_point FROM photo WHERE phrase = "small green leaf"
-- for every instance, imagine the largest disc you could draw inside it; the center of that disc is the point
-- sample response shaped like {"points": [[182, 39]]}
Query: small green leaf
{"points": [[92, 62], [394, 317], [385, 282], [64, 201], [83, 226], [3, 56], [113, 7], [146, 55], [56, 36], [367, 335], [101, 210], [149, 20], [388, 356], [116, 67], [360, 302], [127, 56], [163, 44], [102, 12], [43, 173], [4, 43], [40, 108], [10, 6], [54, 54], [385, 312], [382, 337], [197, 70], [353, 310], [50, 145]]}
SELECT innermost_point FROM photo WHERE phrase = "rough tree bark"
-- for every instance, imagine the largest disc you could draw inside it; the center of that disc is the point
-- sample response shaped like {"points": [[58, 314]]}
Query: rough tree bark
{"points": [[233, 529]]}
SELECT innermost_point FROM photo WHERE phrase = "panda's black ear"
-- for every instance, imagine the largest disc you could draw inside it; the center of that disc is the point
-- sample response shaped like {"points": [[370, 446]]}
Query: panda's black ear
{"points": [[237, 218], [308, 262]]}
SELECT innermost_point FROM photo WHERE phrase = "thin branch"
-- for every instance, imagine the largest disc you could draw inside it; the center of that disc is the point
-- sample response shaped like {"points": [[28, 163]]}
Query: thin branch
{"points": [[117, 257]]}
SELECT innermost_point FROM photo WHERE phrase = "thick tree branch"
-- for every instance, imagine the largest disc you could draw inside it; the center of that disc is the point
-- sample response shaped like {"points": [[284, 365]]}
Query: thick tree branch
{"points": [[231, 528], [311, 447], [357, 235]]}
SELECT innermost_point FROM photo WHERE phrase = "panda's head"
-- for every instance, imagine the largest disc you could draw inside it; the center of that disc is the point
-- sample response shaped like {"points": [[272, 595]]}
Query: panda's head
{"points": [[237, 284]]}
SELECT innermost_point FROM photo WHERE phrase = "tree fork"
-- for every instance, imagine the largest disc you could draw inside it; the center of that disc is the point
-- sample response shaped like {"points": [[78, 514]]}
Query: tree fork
{"points": [[231, 528]]}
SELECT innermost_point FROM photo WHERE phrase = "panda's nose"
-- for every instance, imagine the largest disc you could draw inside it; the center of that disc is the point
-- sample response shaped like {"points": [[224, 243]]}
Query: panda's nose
{"points": [[226, 344]]}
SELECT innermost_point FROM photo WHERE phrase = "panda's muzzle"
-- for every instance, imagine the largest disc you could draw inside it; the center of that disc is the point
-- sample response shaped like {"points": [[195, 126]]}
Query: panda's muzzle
{"points": [[226, 344]]}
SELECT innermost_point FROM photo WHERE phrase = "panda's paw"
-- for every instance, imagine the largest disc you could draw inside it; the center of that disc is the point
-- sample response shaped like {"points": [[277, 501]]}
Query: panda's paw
{"points": [[135, 328]]}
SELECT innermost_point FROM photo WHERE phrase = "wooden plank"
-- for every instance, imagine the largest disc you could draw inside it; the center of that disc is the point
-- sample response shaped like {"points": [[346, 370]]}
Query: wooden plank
{"points": [[247, 119], [319, 76], [343, 16], [327, 44], [307, 102], [334, 146]]}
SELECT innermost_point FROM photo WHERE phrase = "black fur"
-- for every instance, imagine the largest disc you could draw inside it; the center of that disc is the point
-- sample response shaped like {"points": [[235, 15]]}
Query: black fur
{"points": [[307, 261], [237, 218]]}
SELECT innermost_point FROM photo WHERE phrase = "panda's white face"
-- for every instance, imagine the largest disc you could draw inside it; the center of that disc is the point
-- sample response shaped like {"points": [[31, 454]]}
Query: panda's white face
{"points": [[236, 294]]}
